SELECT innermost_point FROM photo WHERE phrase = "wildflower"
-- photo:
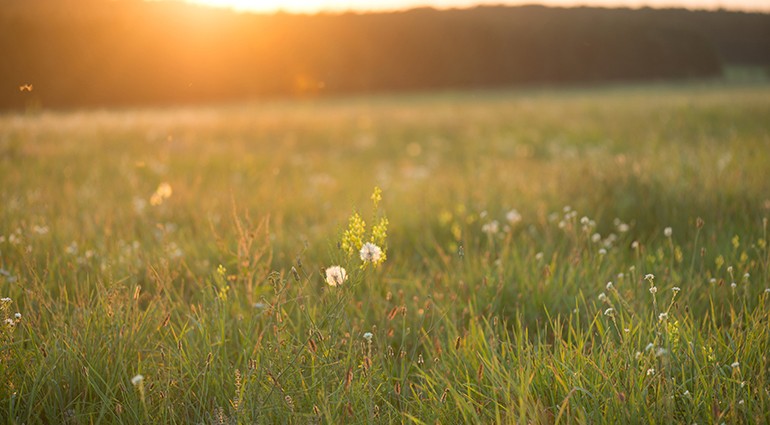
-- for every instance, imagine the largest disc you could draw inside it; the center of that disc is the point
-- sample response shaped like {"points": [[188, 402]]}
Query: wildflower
{"points": [[491, 228], [729, 269], [667, 231], [623, 228], [713, 280], [596, 238], [539, 256], [584, 220], [609, 286], [650, 277], [602, 251], [767, 291], [649, 347], [675, 289], [9, 322], [513, 216], [602, 297], [371, 253], [18, 316], [650, 371], [136, 380], [733, 285], [735, 365], [626, 330], [5, 300], [368, 336], [336, 275], [634, 244], [746, 276], [663, 316], [661, 352], [609, 312], [620, 275], [687, 392], [653, 289]]}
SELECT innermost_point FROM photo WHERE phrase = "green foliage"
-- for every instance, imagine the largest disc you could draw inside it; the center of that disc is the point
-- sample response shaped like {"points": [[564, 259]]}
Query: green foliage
{"points": [[215, 294]]}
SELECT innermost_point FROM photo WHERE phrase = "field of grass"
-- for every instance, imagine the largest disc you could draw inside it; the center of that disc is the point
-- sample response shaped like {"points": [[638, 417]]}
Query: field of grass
{"points": [[167, 265]]}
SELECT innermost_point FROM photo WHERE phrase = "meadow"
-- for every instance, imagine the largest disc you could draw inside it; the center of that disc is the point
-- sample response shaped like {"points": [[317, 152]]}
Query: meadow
{"points": [[594, 255]]}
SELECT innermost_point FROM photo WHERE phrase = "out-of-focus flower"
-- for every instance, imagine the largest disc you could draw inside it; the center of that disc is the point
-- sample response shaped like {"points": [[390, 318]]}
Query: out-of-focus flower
{"points": [[336, 275]]}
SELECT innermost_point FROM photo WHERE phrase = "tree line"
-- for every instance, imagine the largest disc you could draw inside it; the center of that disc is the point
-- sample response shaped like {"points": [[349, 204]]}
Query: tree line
{"points": [[85, 53]]}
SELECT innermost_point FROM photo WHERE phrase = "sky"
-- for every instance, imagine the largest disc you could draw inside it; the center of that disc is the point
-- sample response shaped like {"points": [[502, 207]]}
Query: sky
{"points": [[313, 6]]}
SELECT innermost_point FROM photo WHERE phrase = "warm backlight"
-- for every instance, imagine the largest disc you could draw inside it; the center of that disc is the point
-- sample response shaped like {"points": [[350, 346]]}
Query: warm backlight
{"points": [[313, 6]]}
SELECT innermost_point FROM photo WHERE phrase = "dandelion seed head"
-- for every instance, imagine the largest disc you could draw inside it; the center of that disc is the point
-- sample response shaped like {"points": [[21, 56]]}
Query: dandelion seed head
{"points": [[513, 216], [584, 220], [371, 253], [336, 275]]}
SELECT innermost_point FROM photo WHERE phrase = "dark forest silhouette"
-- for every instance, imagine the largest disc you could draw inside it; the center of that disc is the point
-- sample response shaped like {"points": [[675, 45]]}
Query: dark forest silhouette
{"points": [[93, 53]]}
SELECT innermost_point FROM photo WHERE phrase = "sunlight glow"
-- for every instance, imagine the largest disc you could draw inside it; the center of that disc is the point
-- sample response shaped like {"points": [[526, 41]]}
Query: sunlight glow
{"points": [[314, 6]]}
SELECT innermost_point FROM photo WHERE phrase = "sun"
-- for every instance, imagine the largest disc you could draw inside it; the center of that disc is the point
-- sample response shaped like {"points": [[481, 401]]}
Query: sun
{"points": [[314, 6]]}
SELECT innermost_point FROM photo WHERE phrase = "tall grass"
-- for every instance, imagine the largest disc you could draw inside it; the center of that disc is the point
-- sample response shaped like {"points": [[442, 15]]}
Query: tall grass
{"points": [[208, 303]]}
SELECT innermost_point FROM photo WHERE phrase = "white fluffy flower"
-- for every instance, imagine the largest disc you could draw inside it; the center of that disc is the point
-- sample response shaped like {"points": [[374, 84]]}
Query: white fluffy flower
{"points": [[336, 275], [650, 371], [668, 232], [513, 216], [368, 336], [663, 316], [491, 228], [370, 253], [136, 380]]}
